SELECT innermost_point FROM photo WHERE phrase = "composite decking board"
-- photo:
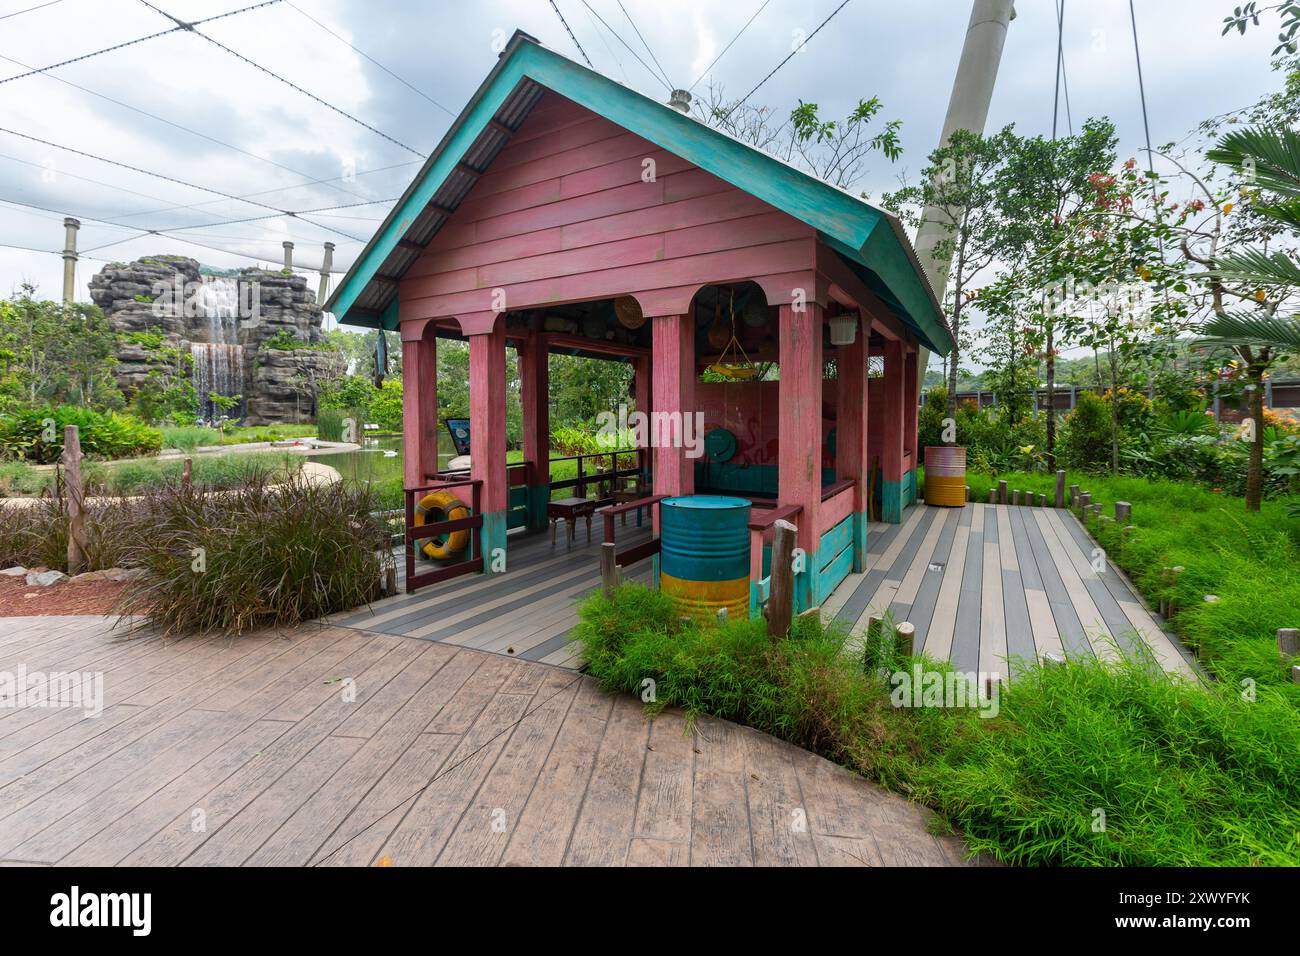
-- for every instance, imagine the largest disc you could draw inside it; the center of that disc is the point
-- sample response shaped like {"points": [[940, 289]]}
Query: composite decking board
{"points": [[1069, 626], [1019, 630], [965, 653], [1108, 589], [902, 563], [921, 610], [1044, 632], [943, 623], [1094, 624], [548, 646], [868, 580]]}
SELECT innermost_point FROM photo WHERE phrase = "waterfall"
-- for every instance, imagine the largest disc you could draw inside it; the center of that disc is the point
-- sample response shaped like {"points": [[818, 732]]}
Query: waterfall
{"points": [[218, 364]]}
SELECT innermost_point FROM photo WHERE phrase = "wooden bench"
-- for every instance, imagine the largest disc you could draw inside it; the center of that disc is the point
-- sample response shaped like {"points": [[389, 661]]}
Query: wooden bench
{"points": [[570, 509]]}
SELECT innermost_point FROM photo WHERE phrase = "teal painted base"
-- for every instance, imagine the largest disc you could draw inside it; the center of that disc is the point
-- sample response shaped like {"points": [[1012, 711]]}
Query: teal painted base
{"points": [[860, 524], [494, 541], [911, 484], [539, 496], [893, 499]]}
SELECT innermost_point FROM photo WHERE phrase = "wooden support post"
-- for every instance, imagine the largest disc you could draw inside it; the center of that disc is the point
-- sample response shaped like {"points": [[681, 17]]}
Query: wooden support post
{"points": [[1002, 492], [673, 385], [1123, 511], [892, 424], [851, 460], [487, 412], [799, 455], [76, 488], [780, 601], [419, 405], [905, 639], [1060, 488], [534, 387], [1288, 641], [390, 580], [608, 568], [187, 474]]}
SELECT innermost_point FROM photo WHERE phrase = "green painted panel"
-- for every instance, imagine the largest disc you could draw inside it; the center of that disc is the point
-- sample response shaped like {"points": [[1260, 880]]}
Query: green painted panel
{"points": [[836, 540]]}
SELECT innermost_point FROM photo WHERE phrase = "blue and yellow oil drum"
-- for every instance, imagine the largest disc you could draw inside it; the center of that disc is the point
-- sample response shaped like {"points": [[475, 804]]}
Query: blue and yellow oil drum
{"points": [[704, 554]]}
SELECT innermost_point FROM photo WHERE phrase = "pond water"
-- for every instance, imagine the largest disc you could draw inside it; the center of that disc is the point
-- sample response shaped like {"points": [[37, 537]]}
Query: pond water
{"points": [[379, 463]]}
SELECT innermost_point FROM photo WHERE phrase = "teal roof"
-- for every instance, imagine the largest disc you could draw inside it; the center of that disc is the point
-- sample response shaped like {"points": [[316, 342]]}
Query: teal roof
{"points": [[866, 237]]}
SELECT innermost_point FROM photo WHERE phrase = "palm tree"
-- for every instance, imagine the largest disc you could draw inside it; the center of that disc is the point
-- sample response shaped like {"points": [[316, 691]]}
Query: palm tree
{"points": [[1271, 160]]}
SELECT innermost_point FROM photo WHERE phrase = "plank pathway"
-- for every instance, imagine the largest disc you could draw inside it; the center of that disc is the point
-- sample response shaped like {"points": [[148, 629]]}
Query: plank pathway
{"points": [[338, 746], [987, 586]]}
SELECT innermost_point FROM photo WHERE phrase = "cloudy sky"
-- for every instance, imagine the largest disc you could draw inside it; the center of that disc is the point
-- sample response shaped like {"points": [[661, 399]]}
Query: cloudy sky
{"points": [[179, 106]]}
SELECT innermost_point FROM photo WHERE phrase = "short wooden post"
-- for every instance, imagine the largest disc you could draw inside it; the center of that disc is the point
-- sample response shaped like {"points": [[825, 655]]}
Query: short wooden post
{"points": [[1052, 659], [968, 497], [1085, 501], [1042, 500], [1060, 488], [1015, 496], [187, 474], [1123, 512], [390, 580], [905, 639], [1002, 492], [1176, 570], [993, 496], [76, 486], [1074, 495], [780, 601], [721, 616], [1164, 585], [608, 568], [1295, 673], [872, 643], [1288, 641]]}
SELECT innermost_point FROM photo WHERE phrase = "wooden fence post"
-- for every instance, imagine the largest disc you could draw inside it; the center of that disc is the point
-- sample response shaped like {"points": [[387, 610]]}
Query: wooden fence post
{"points": [[1002, 492], [608, 568], [780, 600], [905, 639], [1074, 495], [187, 474], [1015, 496], [76, 486], [993, 496], [1060, 488], [1123, 511], [1288, 641]]}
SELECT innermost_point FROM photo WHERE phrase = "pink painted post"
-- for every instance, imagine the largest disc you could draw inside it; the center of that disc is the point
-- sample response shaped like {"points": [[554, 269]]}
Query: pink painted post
{"points": [[419, 405], [799, 456], [910, 410], [644, 396], [673, 384], [891, 459], [851, 436], [487, 412], [534, 390]]}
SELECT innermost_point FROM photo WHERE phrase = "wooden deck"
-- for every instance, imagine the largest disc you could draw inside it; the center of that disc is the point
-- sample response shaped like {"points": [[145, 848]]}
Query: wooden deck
{"points": [[526, 612], [989, 585], [984, 585], [335, 746]]}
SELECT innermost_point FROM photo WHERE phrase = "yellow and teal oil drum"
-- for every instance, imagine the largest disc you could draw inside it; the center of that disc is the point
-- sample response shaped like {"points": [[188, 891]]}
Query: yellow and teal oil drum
{"points": [[704, 554], [945, 476]]}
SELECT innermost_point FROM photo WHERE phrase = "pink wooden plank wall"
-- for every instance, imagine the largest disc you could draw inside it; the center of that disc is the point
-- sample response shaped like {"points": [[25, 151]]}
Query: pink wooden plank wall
{"points": [[563, 215]]}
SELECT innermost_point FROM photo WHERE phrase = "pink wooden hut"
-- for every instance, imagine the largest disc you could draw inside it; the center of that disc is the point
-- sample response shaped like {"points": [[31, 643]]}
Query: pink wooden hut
{"points": [[564, 211]]}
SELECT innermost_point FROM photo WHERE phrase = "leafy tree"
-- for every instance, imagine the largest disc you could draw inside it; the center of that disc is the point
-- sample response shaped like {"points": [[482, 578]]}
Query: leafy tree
{"points": [[50, 351], [959, 192]]}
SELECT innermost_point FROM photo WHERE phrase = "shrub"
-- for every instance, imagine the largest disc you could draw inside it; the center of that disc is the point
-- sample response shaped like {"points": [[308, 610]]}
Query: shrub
{"points": [[35, 534], [257, 557], [1187, 776], [209, 474], [19, 479], [189, 437], [103, 434], [1084, 441], [386, 407], [330, 423]]}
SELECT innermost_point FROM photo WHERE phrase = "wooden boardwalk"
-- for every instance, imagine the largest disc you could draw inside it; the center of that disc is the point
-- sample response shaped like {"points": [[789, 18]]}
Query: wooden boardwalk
{"points": [[989, 585], [336, 746], [985, 585]]}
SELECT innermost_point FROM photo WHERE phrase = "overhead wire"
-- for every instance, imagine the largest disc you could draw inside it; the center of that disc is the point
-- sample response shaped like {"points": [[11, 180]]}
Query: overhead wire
{"points": [[708, 68]]}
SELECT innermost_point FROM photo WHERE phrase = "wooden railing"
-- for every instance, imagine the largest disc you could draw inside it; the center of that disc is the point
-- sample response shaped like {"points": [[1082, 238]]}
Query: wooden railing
{"points": [[760, 531], [638, 552], [416, 533], [603, 479]]}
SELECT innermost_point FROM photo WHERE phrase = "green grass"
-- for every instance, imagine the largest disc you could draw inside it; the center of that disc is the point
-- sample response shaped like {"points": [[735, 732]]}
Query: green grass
{"points": [[19, 479], [241, 435], [1248, 559], [189, 437], [1183, 774], [214, 473]]}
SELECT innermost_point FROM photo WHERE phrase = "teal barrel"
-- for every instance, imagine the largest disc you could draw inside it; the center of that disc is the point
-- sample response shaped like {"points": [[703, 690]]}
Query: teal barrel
{"points": [[704, 554]]}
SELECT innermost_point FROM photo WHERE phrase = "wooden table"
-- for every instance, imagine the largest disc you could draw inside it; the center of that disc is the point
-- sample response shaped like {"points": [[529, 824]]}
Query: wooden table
{"points": [[570, 509]]}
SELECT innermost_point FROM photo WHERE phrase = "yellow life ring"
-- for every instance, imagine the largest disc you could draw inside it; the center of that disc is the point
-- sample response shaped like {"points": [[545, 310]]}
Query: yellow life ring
{"points": [[442, 506]]}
